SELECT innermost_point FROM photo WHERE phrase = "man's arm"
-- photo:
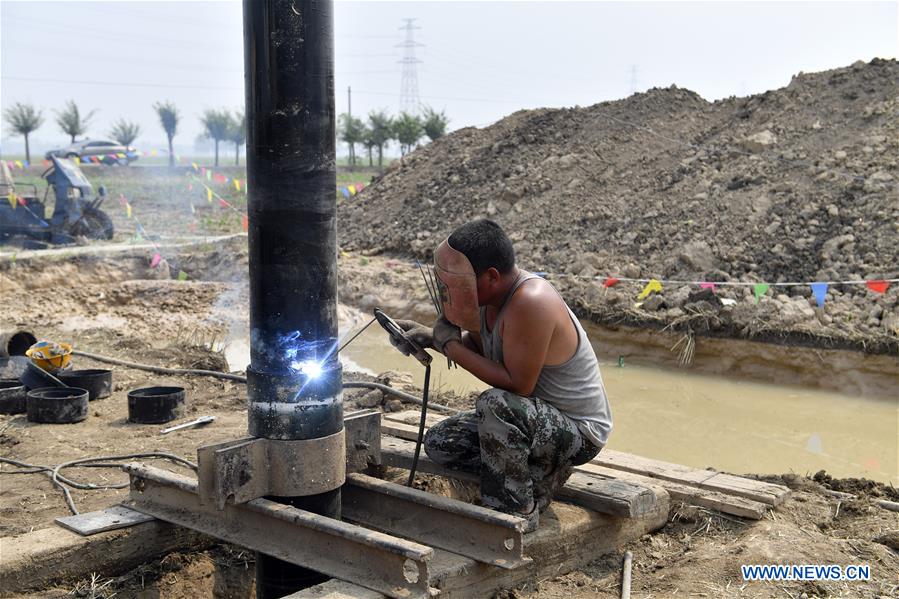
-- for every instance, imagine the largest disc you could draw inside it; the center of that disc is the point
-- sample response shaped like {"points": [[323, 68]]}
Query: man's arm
{"points": [[528, 326]]}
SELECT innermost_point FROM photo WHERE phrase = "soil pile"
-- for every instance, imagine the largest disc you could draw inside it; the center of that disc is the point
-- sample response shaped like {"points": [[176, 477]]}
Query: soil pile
{"points": [[796, 184]]}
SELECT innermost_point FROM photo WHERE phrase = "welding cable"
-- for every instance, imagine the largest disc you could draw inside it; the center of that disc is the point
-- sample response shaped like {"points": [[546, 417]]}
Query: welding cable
{"points": [[421, 425], [60, 481], [242, 379]]}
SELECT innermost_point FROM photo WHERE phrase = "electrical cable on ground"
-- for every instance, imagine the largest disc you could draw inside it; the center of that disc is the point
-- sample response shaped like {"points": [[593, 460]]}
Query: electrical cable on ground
{"points": [[60, 481]]}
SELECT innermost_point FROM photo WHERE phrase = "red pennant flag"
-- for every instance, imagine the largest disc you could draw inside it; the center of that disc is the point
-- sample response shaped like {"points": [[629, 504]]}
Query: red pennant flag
{"points": [[877, 286], [610, 282], [245, 223], [21, 200], [223, 203]]}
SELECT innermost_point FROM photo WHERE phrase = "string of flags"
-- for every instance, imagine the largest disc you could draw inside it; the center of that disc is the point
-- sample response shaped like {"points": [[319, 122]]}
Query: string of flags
{"points": [[210, 175], [349, 191], [157, 259], [211, 193], [650, 286], [16, 200]]}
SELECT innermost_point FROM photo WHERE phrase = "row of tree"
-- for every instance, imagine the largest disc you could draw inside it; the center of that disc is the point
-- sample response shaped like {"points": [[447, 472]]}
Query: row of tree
{"points": [[220, 125], [407, 129], [223, 126]]}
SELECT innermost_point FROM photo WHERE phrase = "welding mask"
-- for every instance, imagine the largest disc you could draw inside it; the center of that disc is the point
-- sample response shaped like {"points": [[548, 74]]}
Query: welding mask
{"points": [[457, 287]]}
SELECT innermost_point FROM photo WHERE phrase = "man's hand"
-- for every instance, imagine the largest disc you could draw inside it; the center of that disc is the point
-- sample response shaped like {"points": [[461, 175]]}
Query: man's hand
{"points": [[444, 332], [415, 331]]}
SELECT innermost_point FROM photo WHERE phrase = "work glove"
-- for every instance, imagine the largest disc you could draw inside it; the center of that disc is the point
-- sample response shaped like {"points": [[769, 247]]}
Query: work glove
{"points": [[415, 331], [444, 331]]}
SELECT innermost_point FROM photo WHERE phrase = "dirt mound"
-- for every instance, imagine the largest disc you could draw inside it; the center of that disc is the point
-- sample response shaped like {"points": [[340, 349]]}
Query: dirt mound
{"points": [[796, 184]]}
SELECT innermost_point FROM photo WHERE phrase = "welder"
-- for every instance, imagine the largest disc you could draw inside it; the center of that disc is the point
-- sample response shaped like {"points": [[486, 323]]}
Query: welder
{"points": [[546, 410]]}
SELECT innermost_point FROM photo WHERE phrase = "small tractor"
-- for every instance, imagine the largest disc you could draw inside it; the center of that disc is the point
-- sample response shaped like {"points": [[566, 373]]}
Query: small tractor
{"points": [[23, 218]]}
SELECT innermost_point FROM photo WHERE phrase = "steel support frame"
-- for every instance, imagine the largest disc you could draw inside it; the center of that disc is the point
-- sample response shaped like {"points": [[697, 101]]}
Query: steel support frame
{"points": [[386, 564], [482, 534]]}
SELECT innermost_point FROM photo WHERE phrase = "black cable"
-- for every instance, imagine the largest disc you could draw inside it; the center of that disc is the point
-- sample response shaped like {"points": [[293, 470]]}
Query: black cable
{"points": [[421, 425]]}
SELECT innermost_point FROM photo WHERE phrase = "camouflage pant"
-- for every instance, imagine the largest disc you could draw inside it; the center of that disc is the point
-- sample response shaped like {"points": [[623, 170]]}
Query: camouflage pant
{"points": [[523, 448]]}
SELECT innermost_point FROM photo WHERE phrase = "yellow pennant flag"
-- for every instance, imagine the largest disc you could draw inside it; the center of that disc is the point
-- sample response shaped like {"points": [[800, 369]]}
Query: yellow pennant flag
{"points": [[208, 194], [77, 160], [12, 200], [653, 285], [237, 184], [351, 189], [19, 164], [128, 209], [154, 152]]}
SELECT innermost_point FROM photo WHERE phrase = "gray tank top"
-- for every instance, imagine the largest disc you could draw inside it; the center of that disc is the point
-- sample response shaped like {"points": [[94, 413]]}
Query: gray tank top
{"points": [[574, 387]]}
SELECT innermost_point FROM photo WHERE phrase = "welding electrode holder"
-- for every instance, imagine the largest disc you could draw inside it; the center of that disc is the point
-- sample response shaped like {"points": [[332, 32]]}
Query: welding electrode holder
{"points": [[399, 335]]}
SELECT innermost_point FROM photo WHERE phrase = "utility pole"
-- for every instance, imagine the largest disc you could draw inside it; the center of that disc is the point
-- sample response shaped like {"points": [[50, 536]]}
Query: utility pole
{"points": [[349, 101], [409, 100]]}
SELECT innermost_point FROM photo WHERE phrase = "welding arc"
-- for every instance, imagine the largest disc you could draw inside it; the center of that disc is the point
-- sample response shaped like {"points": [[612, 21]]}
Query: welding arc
{"points": [[61, 481], [242, 379], [421, 425]]}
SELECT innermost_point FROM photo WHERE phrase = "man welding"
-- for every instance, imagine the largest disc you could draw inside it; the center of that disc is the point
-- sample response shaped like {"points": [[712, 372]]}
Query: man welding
{"points": [[546, 410]]}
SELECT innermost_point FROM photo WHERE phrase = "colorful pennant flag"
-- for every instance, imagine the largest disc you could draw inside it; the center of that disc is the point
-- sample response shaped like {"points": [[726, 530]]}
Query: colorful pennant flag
{"points": [[237, 184], [128, 209], [759, 289], [610, 282], [707, 286], [208, 194], [182, 276], [19, 164], [12, 200], [223, 203], [351, 189], [653, 285], [820, 291], [195, 165], [157, 258], [877, 286], [245, 223]]}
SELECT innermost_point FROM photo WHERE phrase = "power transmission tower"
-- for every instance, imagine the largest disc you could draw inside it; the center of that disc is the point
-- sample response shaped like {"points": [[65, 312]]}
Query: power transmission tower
{"points": [[634, 82], [409, 101]]}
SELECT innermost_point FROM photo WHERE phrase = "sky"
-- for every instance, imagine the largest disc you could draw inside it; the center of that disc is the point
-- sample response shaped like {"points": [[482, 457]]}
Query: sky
{"points": [[480, 61]]}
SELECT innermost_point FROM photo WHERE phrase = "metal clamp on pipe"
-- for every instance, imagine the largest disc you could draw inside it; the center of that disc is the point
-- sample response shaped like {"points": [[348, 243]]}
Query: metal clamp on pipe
{"points": [[239, 471]]}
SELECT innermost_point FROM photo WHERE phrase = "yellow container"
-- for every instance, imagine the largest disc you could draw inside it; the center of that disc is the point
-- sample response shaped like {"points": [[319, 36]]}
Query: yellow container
{"points": [[49, 355]]}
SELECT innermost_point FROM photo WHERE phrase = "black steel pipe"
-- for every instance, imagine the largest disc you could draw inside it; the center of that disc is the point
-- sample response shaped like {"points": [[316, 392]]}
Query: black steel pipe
{"points": [[294, 377]]}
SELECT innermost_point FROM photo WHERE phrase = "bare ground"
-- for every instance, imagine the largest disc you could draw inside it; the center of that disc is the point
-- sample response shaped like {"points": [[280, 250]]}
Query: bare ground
{"points": [[118, 308]]}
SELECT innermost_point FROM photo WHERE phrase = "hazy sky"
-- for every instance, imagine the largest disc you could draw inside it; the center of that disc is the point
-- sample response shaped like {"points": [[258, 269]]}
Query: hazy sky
{"points": [[480, 60]]}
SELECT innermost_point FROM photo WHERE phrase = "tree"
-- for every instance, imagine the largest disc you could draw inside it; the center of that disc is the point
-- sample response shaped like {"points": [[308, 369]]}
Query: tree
{"points": [[168, 117], [124, 132], [434, 123], [408, 130], [351, 130], [71, 122], [218, 125], [381, 131], [369, 142], [24, 118], [238, 134]]}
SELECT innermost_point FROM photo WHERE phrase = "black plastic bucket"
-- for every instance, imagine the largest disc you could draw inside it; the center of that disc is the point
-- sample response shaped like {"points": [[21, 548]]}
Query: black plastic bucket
{"points": [[54, 405], [12, 396], [155, 405], [36, 377], [97, 381]]}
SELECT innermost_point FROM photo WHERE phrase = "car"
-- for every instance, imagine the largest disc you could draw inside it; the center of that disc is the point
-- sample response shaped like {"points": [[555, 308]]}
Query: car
{"points": [[103, 151]]}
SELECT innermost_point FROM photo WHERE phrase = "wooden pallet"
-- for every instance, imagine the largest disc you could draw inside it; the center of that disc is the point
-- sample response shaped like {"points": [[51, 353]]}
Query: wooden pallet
{"points": [[725, 493]]}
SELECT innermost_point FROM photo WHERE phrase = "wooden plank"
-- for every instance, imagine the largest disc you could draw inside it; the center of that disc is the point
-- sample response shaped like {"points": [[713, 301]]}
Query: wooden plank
{"points": [[574, 490], [38, 559], [726, 504], [568, 538], [727, 484], [609, 496]]}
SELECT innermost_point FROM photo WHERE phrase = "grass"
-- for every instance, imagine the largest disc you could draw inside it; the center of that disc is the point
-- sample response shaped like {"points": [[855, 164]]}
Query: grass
{"points": [[166, 203]]}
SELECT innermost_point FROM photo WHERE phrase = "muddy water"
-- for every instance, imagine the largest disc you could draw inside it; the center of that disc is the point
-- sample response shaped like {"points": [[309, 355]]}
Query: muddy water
{"points": [[706, 420]]}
